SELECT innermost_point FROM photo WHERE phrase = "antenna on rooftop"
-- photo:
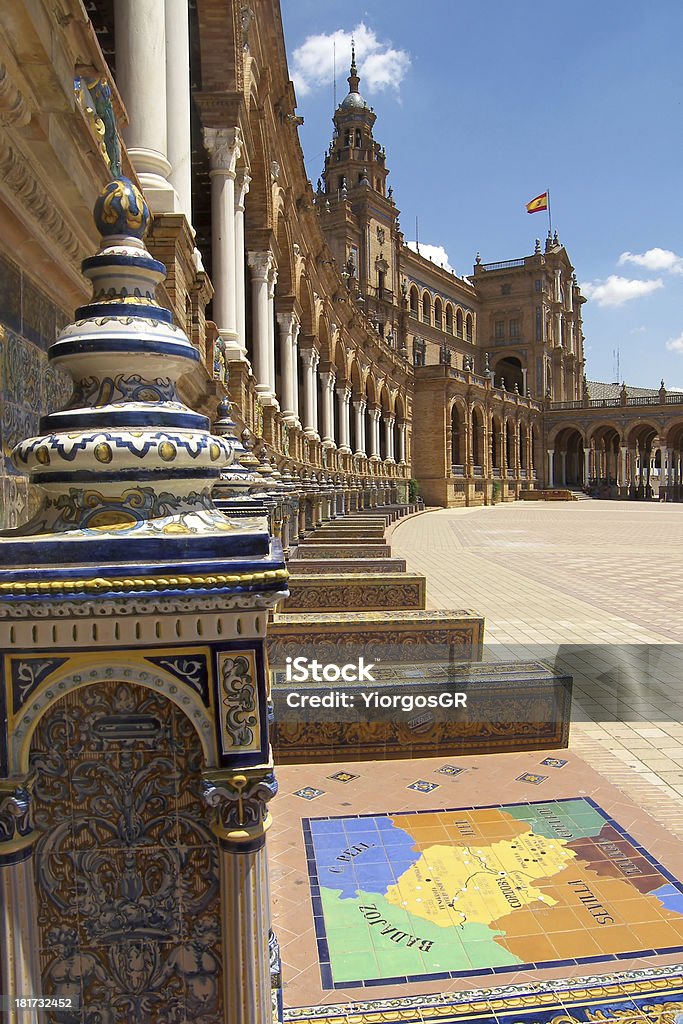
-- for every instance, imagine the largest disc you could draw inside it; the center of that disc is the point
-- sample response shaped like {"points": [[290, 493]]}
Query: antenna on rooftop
{"points": [[417, 234]]}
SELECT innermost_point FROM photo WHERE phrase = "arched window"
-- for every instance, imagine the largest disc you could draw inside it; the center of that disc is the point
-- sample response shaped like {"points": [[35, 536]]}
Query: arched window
{"points": [[413, 301], [468, 327], [426, 309], [458, 323], [449, 319], [438, 314]]}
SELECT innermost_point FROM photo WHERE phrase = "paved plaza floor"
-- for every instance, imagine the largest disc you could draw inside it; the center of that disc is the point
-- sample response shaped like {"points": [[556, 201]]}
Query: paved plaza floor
{"points": [[409, 890]]}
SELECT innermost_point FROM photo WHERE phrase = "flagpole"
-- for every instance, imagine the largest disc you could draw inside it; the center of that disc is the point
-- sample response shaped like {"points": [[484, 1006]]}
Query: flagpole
{"points": [[550, 220]]}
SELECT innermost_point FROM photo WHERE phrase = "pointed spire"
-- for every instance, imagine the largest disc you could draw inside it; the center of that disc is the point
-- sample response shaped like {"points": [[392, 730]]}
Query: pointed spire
{"points": [[353, 78]]}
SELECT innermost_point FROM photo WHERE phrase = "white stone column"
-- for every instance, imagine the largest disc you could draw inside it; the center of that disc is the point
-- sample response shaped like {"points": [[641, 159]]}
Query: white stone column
{"points": [[179, 148], [359, 409], [295, 377], [663, 467], [389, 437], [402, 443], [260, 264], [375, 415], [343, 407], [287, 322], [242, 182], [316, 418], [525, 381], [551, 479], [223, 146], [310, 361], [272, 281], [586, 466], [621, 481], [328, 379], [140, 27]]}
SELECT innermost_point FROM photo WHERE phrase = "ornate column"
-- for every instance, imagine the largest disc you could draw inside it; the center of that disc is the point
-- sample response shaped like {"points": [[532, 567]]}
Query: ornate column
{"points": [[402, 442], [310, 360], [389, 437], [224, 146], [551, 478], [179, 149], [328, 380], [242, 182], [240, 819], [19, 939], [586, 466], [375, 413], [359, 410], [260, 264], [343, 407], [288, 323], [141, 78]]}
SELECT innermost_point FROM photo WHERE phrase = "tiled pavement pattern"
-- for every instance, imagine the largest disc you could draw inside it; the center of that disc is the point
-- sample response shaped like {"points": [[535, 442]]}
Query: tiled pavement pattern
{"points": [[551, 578]]}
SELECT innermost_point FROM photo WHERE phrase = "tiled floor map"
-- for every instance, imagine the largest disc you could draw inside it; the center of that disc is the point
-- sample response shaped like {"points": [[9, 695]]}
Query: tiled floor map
{"points": [[423, 895]]}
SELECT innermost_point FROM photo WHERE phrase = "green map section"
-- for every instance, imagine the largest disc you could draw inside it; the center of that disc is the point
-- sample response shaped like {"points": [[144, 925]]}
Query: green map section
{"points": [[566, 819], [369, 938]]}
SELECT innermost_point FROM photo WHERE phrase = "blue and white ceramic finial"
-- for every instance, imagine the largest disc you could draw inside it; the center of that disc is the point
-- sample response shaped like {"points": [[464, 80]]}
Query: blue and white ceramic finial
{"points": [[127, 469], [121, 209]]}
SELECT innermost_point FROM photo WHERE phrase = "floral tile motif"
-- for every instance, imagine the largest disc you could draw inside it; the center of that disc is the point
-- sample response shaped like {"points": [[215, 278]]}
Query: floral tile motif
{"points": [[343, 776], [449, 769], [309, 793], [554, 762], [421, 786], [532, 778]]}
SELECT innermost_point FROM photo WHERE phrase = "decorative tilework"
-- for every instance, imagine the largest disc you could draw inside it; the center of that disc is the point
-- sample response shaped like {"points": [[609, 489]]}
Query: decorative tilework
{"points": [[532, 778], [631, 997], [423, 787], [309, 793], [554, 762], [450, 769], [343, 776], [401, 898]]}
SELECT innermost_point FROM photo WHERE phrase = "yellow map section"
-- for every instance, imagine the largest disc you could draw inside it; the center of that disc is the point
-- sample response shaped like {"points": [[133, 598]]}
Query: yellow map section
{"points": [[455, 885]]}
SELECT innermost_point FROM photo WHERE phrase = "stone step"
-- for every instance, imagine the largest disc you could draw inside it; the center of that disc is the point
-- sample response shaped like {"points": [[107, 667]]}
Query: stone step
{"points": [[313, 549], [307, 566], [412, 637], [351, 591], [508, 707]]}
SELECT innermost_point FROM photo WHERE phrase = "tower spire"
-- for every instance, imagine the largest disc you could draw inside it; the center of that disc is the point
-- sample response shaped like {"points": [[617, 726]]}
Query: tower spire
{"points": [[353, 78]]}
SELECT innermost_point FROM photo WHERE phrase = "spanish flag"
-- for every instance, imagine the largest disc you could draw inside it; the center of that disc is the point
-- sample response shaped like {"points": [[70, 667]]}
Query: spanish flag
{"points": [[538, 204]]}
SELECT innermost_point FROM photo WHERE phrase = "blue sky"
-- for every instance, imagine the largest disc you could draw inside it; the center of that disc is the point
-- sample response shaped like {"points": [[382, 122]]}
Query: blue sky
{"points": [[482, 106]]}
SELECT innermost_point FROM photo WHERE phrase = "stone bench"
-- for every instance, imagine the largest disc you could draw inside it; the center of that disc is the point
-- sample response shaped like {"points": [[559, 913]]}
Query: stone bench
{"points": [[349, 534], [509, 707], [412, 636], [312, 548], [307, 566], [345, 591]]}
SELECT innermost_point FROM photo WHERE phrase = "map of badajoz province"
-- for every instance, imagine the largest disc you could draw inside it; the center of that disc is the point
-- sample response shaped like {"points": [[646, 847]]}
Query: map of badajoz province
{"points": [[443, 893]]}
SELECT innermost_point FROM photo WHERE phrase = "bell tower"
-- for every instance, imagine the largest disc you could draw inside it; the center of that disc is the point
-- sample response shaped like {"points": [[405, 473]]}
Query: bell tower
{"points": [[358, 212]]}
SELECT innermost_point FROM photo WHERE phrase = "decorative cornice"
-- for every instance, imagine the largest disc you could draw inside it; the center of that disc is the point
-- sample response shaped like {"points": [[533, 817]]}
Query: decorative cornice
{"points": [[15, 175], [14, 110], [98, 584]]}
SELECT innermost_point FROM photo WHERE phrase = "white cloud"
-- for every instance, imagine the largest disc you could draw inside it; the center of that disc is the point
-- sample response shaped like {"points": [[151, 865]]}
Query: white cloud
{"points": [[676, 344], [654, 259], [380, 66], [616, 290], [436, 253]]}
